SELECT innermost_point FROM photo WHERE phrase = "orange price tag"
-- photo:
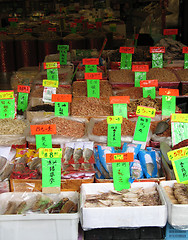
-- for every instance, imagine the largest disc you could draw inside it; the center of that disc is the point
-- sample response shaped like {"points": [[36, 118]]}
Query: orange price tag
{"points": [[61, 97], [140, 68], [149, 83], [93, 75], [90, 61], [119, 157], [23, 88], [13, 20], [170, 31], [43, 129], [168, 91], [50, 65], [157, 49], [6, 94], [126, 50], [119, 99], [52, 29], [185, 50]]}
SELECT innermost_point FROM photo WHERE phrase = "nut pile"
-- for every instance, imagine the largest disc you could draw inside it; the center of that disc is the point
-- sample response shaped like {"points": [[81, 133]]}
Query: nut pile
{"points": [[162, 75], [148, 102], [121, 76], [182, 74], [12, 126]]}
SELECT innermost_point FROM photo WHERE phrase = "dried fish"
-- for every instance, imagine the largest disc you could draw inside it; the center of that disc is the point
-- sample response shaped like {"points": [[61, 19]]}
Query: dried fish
{"points": [[68, 154]]}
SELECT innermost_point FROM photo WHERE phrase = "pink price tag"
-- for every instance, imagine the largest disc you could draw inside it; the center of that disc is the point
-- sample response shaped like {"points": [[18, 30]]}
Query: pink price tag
{"points": [[157, 49], [126, 50]]}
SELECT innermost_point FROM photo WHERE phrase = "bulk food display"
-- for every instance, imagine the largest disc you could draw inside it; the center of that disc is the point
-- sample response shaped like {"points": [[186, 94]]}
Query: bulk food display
{"points": [[90, 135]]}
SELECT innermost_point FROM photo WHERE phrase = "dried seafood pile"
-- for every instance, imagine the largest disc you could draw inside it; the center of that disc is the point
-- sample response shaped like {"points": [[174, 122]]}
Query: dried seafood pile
{"points": [[178, 194]]}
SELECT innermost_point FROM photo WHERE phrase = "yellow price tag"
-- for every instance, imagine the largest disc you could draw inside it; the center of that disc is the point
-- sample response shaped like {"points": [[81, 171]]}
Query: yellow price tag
{"points": [[114, 119], [179, 117], [50, 65], [118, 157], [50, 152], [145, 111], [50, 83], [6, 94], [178, 153]]}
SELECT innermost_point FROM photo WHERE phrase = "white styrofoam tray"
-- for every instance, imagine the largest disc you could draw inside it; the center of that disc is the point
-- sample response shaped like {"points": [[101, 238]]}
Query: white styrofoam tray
{"points": [[38, 226], [177, 213], [117, 217]]}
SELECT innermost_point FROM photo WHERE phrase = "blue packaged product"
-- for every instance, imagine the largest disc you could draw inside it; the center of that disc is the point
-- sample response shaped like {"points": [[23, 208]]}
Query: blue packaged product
{"points": [[131, 147], [157, 155], [97, 165], [148, 163], [136, 171]]}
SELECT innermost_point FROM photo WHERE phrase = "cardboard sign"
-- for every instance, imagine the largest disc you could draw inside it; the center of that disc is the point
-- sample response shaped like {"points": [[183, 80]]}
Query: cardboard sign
{"points": [[61, 97], [43, 129], [43, 141], [23, 89], [51, 65], [140, 68], [181, 170], [114, 119], [90, 61], [119, 157], [145, 111], [97, 75], [142, 129], [91, 68], [61, 109], [168, 105], [51, 175], [119, 99], [22, 101], [178, 153], [168, 91], [138, 77], [114, 135], [50, 152], [157, 49], [6, 94], [126, 61], [149, 83], [157, 60], [179, 117], [170, 31], [7, 108], [50, 83], [121, 175], [120, 109], [93, 88], [52, 74], [126, 50], [179, 132]]}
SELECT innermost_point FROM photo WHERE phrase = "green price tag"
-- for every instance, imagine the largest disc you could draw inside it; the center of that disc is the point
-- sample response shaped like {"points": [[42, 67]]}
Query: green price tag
{"points": [[113, 27], [149, 91], [142, 129], [44, 141], [121, 175], [138, 77], [185, 60], [63, 47], [179, 132], [52, 74], [13, 24], [51, 172], [93, 88], [174, 37], [22, 101], [73, 30], [63, 57], [90, 68], [181, 170], [120, 109], [157, 60], [126, 61], [61, 108], [168, 105], [7, 108], [114, 135]]}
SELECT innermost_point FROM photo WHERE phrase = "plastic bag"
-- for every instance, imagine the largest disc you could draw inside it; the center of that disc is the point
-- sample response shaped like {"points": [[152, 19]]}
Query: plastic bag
{"points": [[136, 171], [132, 148]]}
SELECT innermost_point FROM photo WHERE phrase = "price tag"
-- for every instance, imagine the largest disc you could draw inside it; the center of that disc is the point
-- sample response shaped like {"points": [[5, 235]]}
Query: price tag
{"points": [[22, 101], [50, 65], [180, 117], [119, 99], [28, 30], [170, 32], [6, 94], [126, 61], [126, 50], [63, 47], [51, 175], [149, 91], [178, 153], [181, 170], [149, 83], [47, 94], [52, 74], [12, 19], [140, 68], [138, 77], [50, 152], [61, 108], [73, 29], [179, 132], [168, 91], [90, 61], [114, 135], [50, 83], [168, 105], [23, 89], [93, 75], [98, 25], [61, 97], [43, 129], [185, 61], [157, 60], [45, 22], [120, 109], [52, 30], [113, 27], [93, 88], [157, 49], [145, 111], [119, 157], [142, 129], [90, 68], [114, 119], [43, 141], [7, 108]]}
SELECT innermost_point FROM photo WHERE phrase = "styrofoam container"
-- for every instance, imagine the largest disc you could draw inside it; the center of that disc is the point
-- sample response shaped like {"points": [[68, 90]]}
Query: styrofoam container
{"points": [[177, 213], [38, 226], [119, 217]]}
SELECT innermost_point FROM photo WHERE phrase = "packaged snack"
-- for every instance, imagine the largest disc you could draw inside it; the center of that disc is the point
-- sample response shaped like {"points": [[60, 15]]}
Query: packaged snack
{"points": [[132, 148], [136, 170]]}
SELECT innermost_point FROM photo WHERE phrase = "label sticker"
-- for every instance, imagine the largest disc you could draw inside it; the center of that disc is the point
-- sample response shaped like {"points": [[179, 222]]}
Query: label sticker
{"points": [[145, 111], [52, 74], [119, 99], [142, 129], [50, 152], [50, 83], [6, 94], [23, 89], [168, 91], [126, 50], [7, 108], [50, 65], [178, 153], [181, 170], [120, 109], [114, 119], [22, 101], [43, 129], [179, 117], [126, 61], [90, 68], [168, 105], [179, 132], [93, 88], [61, 108], [121, 175], [43, 141], [90, 61], [97, 75], [138, 77], [119, 157], [114, 135]]}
